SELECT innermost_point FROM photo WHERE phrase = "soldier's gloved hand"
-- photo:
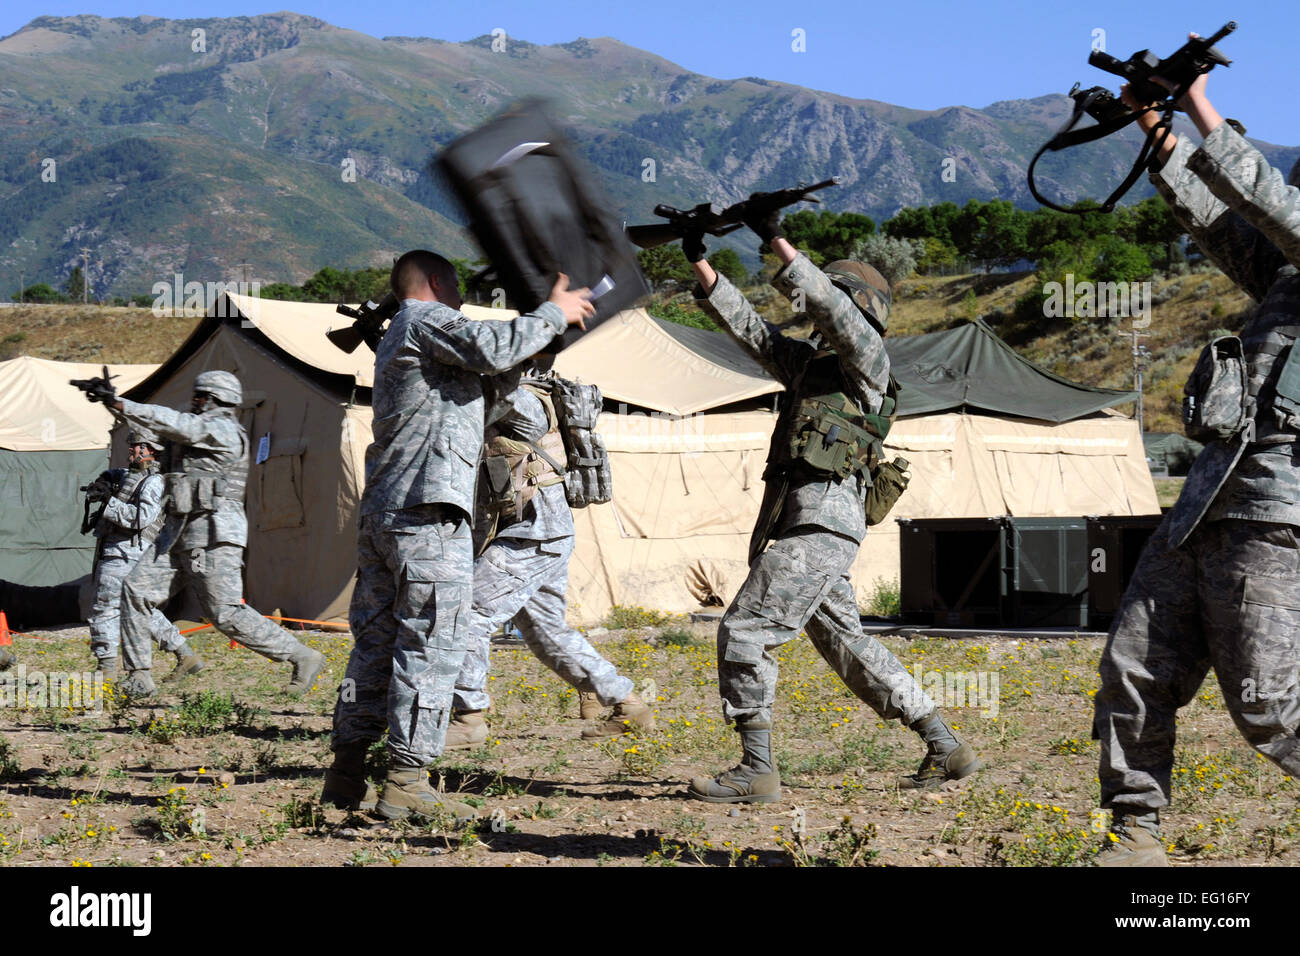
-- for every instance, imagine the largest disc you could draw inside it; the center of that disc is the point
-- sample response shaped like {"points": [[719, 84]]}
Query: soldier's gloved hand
{"points": [[693, 246], [763, 219], [101, 391]]}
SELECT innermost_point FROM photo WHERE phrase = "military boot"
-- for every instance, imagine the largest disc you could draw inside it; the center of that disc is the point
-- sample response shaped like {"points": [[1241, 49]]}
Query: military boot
{"points": [[6, 658], [187, 663], [947, 756], [138, 684], [589, 705], [346, 786], [631, 713], [407, 791], [108, 667], [466, 730], [307, 665], [1133, 840], [755, 780]]}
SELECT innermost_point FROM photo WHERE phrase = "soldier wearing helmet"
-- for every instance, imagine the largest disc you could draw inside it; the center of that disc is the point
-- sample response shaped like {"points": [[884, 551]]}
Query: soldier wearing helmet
{"points": [[201, 544], [130, 520], [1218, 584], [826, 480]]}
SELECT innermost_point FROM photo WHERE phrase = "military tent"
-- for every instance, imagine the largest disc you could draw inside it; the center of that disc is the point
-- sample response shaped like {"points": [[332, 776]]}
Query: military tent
{"points": [[688, 420], [52, 441]]}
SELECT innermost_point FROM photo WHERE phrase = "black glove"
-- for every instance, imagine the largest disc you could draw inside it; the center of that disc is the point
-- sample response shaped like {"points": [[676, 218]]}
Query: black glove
{"points": [[101, 391], [693, 246], [764, 220], [97, 389]]}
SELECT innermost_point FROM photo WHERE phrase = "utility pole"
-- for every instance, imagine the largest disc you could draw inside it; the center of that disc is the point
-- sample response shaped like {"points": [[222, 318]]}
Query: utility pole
{"points": [[243, 269], [22, 287], [85, 276], [1140, 353]]}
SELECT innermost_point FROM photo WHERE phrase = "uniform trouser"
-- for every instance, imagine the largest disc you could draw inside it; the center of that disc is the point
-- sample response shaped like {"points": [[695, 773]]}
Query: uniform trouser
{"points": [[215, 575], [105, 612], [802, 582], [408, 619], [1229, 598], [527, 580]]}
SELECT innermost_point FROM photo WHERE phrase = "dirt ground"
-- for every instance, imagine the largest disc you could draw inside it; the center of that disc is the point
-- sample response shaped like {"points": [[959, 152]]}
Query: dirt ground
{"points": [[226, 770]]}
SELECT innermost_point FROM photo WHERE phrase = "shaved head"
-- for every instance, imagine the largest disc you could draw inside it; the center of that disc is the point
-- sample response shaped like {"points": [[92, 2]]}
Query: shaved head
{"points": [[420, 268]]}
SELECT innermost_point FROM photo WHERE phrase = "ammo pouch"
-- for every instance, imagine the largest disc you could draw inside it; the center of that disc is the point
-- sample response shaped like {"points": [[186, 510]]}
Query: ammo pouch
{"points": [[1217, 405], [1286, 398], [587, 479], [890, 482], [194, 494], [825, 439]]}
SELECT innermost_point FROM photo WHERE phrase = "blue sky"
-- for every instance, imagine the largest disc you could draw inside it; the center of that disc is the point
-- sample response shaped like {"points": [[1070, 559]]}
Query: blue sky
{"points": [[911, 53]]}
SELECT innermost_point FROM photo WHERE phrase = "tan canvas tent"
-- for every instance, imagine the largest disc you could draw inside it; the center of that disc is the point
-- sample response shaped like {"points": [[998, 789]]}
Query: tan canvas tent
{"points": [[687, 464], [689, 416], [52, 441]]}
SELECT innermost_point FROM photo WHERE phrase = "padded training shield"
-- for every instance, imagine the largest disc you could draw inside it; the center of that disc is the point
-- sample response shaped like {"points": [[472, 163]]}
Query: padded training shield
{"points": [[536, 211]]}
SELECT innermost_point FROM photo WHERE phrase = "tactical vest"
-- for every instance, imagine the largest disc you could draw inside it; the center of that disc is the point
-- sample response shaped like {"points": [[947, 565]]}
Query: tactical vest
{"points": [[514, 470], [198, 482], [825, 430], [129, 493]]}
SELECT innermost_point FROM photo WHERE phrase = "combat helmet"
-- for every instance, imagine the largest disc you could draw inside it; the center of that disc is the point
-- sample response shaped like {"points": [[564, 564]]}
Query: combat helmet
{"points": [[868, 289], [143, 436], [223, 386]]}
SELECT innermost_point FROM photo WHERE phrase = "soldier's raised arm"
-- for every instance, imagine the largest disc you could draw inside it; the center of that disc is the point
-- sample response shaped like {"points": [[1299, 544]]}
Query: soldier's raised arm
{"points": [[1237, 173], [197, 431], [491, 347], [721, 301]]}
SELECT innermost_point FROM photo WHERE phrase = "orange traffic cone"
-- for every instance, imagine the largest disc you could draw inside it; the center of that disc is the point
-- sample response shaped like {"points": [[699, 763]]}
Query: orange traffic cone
{"points": [[5, 639]]}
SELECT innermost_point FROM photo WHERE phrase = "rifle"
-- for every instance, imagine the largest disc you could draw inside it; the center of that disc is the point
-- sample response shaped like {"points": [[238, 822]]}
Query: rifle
{"points": [[714, 220], [97, 389], [101, 489], [1181, 69], [368, 324]]}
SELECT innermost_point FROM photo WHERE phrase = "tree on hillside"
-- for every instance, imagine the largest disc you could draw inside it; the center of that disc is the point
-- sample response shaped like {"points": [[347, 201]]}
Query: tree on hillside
{"points": [[75, 285], [995, 231], [894, 258], [663, 264], [40, 292], [831, 234], [727, 262]]}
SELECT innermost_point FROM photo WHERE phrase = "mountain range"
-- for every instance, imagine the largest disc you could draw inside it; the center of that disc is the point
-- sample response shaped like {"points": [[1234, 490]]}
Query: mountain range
{"points": [[283, 142]]}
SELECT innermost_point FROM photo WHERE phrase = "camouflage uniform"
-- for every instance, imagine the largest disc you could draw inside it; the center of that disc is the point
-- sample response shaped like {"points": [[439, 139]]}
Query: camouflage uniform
{"points": [[201, 545], [1219, 582], [523, 574], [414, 551], [802, 580], [131, 520]]}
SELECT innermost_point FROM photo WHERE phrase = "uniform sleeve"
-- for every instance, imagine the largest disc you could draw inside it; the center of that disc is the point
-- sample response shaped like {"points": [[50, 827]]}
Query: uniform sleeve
{"points": [[487, 346], [197, 431], [523, 416], [141, 515], [858, 346], [1231, 243], [781, 356], [1237, 173]]}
